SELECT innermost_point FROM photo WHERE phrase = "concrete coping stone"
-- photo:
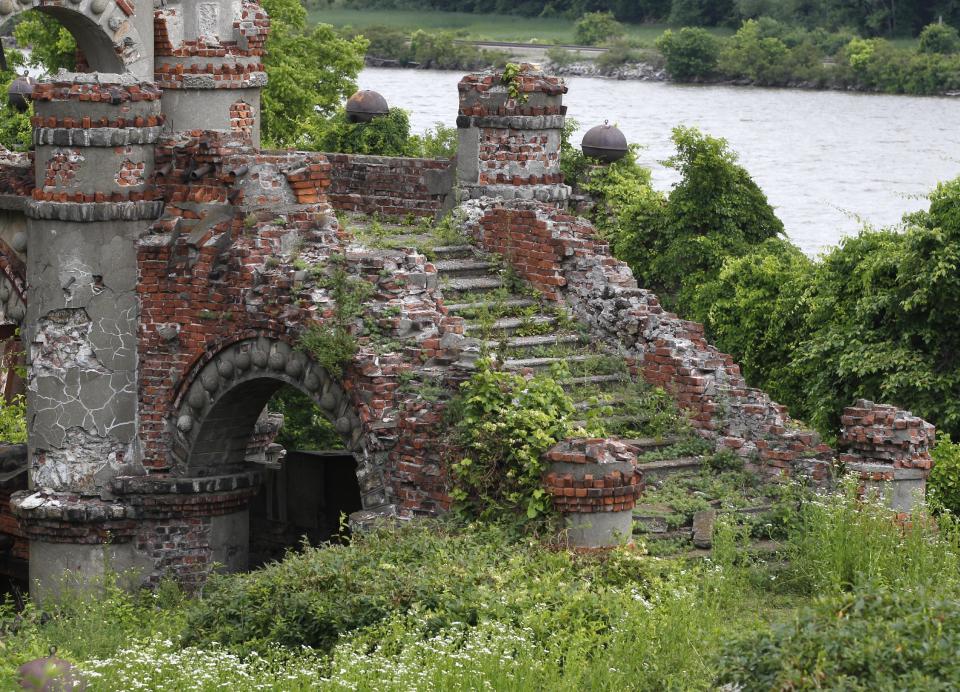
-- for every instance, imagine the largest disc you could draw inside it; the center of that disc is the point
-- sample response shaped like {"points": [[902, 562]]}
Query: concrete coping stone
{"points": [[94, 211], [153, 485]]}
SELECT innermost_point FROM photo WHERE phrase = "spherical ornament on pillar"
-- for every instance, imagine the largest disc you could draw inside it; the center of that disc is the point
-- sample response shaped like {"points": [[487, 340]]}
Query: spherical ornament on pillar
{"points": [[366, 105], [20, 93], [605, 142]]}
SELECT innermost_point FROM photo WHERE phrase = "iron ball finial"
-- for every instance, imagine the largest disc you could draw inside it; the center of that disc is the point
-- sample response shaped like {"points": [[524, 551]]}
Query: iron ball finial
{"points": [[605, 142], [365, 105]]}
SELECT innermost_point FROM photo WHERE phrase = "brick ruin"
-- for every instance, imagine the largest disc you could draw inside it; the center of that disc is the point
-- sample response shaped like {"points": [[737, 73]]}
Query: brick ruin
{"points": [[158, 263]]}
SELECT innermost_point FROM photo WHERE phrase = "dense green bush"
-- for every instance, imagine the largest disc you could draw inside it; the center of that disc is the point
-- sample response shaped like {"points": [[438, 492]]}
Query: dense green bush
{"points": [[13, 420], [714, 212], [689, 53], [594, 28], [386, 135], [305, 427], [943, 486], [878, 638], [939, 38], [765, 60], [504, 423]]}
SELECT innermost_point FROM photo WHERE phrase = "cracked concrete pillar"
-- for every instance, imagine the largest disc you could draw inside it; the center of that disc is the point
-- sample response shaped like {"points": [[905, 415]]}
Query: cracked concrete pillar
{"points": [[94, 136], [209, 63]]}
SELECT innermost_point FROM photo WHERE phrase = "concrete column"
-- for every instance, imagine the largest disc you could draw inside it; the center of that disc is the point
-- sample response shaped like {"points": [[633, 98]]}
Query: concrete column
{"points": [[94, 139], [509, 136]]}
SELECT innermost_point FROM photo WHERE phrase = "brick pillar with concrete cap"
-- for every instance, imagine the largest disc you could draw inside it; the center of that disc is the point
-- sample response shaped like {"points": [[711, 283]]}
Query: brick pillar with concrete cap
{"points": [[209, 63], [887, 447], [509, 136], [594, 484]]}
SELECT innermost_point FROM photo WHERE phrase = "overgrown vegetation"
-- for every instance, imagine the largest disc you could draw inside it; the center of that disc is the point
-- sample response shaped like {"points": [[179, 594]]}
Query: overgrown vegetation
{"points": [[854, 600], [333, 343], [873, 318], [503, 424]]}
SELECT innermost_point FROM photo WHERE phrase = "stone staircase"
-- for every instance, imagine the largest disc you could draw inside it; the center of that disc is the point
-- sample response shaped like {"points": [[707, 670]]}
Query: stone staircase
{"points": [[527, 334]]}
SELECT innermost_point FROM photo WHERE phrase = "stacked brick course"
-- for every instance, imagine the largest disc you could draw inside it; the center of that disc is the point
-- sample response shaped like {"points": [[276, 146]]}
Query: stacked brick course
{"points": [[600, 491], [390, 186]]}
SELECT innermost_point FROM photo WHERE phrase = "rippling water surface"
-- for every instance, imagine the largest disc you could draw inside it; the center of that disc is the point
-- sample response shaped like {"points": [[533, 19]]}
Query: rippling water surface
{"points": [[828, 161]]}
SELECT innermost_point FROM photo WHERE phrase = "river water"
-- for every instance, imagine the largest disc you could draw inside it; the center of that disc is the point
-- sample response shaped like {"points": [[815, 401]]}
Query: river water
{"points": [[828, 161]]}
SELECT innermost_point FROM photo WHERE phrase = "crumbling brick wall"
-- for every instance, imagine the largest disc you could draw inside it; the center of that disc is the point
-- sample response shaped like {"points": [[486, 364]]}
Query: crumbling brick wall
{"points": [[390, 186]]}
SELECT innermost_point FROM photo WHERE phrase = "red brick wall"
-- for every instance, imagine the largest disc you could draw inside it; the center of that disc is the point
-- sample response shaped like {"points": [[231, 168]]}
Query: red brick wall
{"points": [[385, 185]]}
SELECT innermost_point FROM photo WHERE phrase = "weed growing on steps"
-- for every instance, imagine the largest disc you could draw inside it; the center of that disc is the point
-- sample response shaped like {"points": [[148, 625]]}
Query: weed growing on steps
{"points": [[332, 343]]}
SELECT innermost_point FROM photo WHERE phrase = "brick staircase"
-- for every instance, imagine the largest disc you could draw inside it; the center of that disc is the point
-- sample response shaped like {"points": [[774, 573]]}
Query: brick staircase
{"points": [[528, 334]]}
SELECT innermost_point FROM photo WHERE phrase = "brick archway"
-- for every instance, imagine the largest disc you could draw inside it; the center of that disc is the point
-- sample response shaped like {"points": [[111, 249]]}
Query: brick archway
{"points": [[217, 411], [104, 31]]}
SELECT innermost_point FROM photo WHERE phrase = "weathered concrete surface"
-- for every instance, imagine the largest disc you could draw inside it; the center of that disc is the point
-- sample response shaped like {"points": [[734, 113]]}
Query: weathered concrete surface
{"points": [[81, 335], [57, 565]]}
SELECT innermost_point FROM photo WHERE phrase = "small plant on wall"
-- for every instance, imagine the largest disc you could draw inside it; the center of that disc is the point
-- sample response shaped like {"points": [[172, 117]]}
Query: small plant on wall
{"points": [[332, 343]]}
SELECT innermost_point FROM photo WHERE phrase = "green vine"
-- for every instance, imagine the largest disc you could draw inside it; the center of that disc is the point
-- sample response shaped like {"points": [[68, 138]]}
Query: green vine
{"points": [[511, 78], [504, 423]]}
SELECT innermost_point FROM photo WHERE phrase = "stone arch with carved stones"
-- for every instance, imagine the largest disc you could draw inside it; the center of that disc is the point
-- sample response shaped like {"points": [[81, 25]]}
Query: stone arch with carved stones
{"points": [[104, 30], [217, 409]]}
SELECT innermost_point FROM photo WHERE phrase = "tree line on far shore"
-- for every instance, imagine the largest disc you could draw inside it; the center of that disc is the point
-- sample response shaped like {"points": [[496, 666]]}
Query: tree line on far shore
{"points": [[887, 18]]}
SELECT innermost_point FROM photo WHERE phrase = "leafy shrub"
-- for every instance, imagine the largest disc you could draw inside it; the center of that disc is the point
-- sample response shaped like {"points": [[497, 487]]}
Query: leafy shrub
{"points": [[504, 423], [437, 143], [764, 59], [876, 638], [689, 53], [943, 486], [13, 420], [304, 425], [594, 28], [332, 342], [939, 38], [386, 135], [561, 57]]}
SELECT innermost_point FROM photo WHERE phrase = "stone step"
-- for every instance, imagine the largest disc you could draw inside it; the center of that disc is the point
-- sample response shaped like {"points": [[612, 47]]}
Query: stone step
{"points": [[612, 420], [544, 363], [595, 379], [651, 444], [453, 251], [464, 268], [509, 325], [659, 470], [482, 284], [523, 343], [519, 303]]}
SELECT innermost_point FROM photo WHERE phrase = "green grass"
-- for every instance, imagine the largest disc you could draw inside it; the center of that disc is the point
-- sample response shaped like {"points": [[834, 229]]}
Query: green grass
{"points": [[479, 27]]}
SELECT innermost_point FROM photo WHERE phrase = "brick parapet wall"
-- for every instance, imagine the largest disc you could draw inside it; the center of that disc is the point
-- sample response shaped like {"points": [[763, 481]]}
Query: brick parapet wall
{"points": [[390, 186]]}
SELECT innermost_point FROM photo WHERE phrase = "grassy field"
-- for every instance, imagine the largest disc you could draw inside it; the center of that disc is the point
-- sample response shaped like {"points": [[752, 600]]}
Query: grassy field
{"points": [[485, 27]]}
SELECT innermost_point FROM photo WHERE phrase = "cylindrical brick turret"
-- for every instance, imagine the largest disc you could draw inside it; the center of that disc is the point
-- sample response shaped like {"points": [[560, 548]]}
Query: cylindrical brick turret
{"points": [[209, 63], [594, 484], [509, 136], [887, 448]]}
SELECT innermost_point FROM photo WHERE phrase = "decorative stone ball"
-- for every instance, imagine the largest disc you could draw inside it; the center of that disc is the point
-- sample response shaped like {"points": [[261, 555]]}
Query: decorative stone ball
{"points": [[50, 674], [605, 142], [366, 105], [20, 93]]}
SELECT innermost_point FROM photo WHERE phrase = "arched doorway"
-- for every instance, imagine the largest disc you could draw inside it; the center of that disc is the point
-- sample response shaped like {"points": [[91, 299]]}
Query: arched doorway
{"points": [[306, 495], [106, 31], [223, 427]]}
